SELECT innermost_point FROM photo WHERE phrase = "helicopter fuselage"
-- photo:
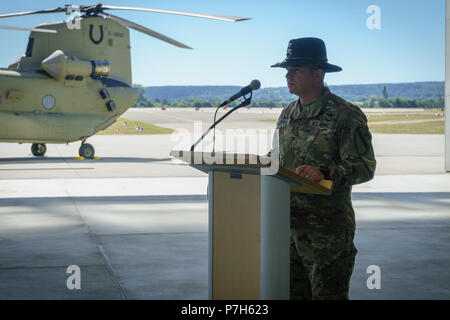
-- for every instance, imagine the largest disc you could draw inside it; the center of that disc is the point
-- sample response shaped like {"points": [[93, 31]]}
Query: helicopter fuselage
{"points": [[36, 108], [68, 85]]}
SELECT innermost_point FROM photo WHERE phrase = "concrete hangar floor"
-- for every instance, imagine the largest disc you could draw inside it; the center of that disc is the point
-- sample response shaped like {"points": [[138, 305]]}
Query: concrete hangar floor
{"points": [[136, 222]]}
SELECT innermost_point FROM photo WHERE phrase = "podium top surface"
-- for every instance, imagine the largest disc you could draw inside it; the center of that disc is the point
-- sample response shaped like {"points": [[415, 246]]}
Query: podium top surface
{"points": [[251, 164]]}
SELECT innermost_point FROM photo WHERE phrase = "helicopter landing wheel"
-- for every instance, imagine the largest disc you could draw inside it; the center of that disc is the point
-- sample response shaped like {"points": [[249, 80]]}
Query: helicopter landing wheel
{"points": [[87, 151], [38, 149]]}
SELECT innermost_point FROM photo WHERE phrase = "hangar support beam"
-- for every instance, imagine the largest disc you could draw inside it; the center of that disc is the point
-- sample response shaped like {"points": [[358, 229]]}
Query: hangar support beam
{"points": [[447, 86]]}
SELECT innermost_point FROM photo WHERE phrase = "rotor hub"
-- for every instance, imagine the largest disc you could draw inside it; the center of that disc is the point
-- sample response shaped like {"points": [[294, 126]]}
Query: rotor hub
{"points": [[92, 10]]}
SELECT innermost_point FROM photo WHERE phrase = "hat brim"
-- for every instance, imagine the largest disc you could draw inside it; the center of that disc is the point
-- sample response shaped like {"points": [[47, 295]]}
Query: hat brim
{"points": [[327, 67]]}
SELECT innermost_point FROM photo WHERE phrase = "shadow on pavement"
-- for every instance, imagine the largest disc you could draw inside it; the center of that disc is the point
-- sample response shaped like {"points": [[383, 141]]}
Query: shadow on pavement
{"points": [[74, 160]]}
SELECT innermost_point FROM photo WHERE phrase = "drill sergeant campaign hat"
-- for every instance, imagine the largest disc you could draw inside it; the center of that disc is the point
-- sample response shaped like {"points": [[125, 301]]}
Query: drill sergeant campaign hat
{"points": [[307, 50]]}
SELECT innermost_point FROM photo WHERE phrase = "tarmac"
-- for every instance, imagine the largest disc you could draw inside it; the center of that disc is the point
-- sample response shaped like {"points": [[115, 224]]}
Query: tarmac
{"points": [[136, 221]]}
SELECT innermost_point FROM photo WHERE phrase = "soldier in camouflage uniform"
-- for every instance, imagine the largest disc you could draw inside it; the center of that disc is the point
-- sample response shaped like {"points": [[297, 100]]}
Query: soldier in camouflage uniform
{"points": [[321, 136]]}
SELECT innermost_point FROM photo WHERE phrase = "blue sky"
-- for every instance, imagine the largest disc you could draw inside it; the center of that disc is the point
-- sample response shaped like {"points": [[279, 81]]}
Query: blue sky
{"points": [[409, 47]]}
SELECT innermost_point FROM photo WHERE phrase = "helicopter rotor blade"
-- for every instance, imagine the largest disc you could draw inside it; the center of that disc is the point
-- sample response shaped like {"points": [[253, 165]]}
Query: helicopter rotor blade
{"points": [[183, 13], [17, 14], [28, 29], [147, 31]]}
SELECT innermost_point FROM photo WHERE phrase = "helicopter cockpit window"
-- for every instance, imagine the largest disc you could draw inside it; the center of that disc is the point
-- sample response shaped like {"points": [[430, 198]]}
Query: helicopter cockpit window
{"points": [[29, 47]]}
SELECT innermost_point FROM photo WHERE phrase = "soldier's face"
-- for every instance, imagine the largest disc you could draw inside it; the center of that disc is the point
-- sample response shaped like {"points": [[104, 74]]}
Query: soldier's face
{"points": [[300, 80]]}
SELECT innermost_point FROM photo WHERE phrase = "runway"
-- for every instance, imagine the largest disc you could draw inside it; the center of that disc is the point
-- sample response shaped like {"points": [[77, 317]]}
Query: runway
{"points": [[136, 222]]}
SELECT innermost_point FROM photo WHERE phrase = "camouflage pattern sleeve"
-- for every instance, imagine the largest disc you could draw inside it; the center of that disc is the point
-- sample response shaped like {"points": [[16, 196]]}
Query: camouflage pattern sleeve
{"points": [[357, 160]]}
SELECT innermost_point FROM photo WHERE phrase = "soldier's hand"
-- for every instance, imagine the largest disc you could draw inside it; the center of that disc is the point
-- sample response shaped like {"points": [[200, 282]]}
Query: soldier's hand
{"points": [[310, 173]]}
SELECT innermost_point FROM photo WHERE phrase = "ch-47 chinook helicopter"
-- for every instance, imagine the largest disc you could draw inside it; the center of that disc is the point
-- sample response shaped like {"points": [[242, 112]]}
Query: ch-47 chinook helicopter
{"points": [[74, 78]]}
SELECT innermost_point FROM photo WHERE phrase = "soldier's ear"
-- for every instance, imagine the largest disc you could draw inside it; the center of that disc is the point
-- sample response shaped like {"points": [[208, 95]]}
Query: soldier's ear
{"points": [[319, 74]]}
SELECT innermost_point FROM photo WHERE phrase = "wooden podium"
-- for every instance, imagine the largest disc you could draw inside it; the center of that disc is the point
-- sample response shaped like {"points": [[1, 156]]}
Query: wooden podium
{"points": [[249, 223]]}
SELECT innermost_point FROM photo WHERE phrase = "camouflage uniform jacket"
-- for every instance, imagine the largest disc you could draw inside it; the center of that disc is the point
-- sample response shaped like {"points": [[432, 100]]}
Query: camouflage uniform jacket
{"points": [[332, 135]]}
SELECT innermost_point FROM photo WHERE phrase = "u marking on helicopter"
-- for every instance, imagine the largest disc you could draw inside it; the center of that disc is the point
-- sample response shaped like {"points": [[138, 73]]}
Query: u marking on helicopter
{"points": [[91, 28]]}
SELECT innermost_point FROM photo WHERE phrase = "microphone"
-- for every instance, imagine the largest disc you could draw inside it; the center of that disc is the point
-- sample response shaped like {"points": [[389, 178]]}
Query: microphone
{"points": [[213, 126], [254, 85]]}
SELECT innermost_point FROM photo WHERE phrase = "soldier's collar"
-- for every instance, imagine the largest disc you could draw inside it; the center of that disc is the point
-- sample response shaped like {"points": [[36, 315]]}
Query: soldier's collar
{"points": [[314, 109]]}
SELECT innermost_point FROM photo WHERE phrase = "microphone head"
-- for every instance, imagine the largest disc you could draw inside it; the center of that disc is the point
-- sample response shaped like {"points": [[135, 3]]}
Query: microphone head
{"points": [[255, 84]]}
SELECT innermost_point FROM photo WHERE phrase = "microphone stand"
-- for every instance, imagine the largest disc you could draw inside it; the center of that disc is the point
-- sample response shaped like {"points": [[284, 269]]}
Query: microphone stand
{"points": [[244, 103], [215, 115]]}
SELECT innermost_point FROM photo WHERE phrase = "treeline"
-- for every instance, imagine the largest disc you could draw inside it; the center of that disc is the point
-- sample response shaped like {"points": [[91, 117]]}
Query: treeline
{"points": [[143, 102], [372, 102], [412, 90], [397, 102], [354, 92]]}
